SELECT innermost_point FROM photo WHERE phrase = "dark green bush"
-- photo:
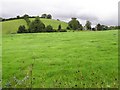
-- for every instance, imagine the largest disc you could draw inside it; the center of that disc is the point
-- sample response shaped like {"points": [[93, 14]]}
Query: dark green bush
{"points": [[22, 29], [49, 16], [59, 27], [63, 30], [49, 28]]}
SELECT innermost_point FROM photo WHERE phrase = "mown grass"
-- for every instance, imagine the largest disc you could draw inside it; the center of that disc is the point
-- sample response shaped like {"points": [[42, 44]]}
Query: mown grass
{"points": [[67, 60], [12, 25]]}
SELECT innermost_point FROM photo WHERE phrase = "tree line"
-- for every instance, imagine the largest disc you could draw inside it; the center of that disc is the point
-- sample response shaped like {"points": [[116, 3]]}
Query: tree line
{"points": [[74, 24], [47, 16], [38, 26]]}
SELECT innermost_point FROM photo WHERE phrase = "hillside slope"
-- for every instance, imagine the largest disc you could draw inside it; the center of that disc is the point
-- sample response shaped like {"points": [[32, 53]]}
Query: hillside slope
{"points": [[12, 25]]}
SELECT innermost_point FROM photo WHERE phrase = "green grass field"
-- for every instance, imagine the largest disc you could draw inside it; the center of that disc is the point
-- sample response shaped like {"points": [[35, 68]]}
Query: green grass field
{"points": [[0, 65], [67, 60], [12, 25]]}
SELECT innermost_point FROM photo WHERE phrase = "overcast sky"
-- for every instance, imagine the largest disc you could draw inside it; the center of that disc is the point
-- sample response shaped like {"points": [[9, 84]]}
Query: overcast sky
{"points": [[97, 11]]}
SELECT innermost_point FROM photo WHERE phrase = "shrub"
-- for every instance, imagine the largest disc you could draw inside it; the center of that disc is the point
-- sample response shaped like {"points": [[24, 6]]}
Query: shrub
{"points": [[63, 30], [49, 16], [22, 29], [59, 27], [49, 28], [68, 28]]}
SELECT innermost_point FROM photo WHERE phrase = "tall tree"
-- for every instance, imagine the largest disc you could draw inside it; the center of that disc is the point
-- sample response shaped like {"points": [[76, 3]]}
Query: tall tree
{"points": [[44, 16], [98, 27], [26, 18], [18, 17], [74, 24], [49, 16], [88, 25], [36, 25]]}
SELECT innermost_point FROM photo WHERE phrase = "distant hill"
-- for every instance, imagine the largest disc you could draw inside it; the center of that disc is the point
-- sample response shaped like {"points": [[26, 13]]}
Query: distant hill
{"points": [[12, 25]]}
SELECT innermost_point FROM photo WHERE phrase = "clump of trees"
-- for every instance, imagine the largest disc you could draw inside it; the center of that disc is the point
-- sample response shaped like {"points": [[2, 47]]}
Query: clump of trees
{"points": [[114, 27], [74, 24], [100, 27], [33, 27], [49, 16], [37, 26], [44, 16], [14, 18]]}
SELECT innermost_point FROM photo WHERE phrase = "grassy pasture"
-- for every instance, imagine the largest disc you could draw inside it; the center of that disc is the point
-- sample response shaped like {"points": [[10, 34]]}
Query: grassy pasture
{"points": [[12, 25], [70, 59]]}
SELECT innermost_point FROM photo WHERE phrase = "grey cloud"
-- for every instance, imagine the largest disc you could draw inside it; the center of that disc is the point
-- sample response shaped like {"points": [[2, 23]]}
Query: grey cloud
{"points": [[60, 9], [88, 17], [110, 22]]}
